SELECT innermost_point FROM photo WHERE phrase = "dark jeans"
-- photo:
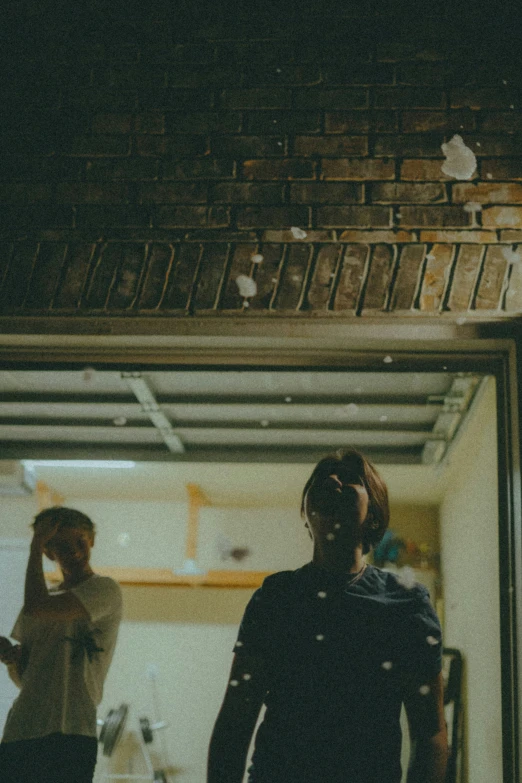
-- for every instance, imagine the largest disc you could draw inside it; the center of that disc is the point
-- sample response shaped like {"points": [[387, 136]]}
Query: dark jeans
{"points": [[57, 758]]}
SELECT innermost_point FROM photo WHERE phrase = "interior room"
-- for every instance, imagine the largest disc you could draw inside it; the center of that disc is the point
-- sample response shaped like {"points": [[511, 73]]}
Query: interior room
{"points": [[194, 510]]}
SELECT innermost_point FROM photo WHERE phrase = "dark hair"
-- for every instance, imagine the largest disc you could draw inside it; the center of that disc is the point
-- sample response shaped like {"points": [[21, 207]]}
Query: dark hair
{"points": [[66, 517], [350, 464]]}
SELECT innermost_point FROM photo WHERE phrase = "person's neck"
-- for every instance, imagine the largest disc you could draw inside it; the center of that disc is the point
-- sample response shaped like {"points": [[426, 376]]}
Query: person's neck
{"points": [[341, 561], [71, 580]]}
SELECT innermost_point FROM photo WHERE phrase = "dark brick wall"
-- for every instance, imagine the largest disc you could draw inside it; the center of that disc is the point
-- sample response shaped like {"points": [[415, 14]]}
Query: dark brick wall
{"points": [[147, 152]]}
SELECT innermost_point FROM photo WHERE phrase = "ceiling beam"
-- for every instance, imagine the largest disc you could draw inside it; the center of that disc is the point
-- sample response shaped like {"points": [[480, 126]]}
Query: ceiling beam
{"points": [[335, 425], [149, 405], [225, 399], [407, 455]]}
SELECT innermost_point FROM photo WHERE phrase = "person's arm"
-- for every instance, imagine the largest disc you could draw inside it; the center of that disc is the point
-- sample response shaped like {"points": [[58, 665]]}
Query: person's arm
{"points": [[37, 601], [428, 734], [11, 656], [236, 720]]}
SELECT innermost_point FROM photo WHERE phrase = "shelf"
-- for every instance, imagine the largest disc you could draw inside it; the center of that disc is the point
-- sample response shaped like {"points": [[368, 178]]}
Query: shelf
{"points": [[163, 577]]}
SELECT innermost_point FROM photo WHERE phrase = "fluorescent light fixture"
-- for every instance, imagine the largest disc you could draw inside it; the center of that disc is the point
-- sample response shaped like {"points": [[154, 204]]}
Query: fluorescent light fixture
{"points": [[78, 463]]}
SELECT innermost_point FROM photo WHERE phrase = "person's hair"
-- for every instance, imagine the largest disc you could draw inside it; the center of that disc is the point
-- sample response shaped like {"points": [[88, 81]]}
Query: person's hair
{"points": [[66, 517], [349, 464]]}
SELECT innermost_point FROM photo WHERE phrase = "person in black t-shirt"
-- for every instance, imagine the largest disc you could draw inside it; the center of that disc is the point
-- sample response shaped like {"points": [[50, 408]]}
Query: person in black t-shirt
{"points": [[333, 650]]}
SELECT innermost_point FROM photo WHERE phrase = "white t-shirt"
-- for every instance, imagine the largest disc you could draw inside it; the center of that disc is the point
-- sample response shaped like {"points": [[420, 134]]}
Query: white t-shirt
{"points": [[65, 665]]}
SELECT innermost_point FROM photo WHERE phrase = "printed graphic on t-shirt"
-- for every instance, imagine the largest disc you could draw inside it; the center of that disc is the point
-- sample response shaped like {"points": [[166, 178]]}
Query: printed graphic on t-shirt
{"points": [[84, 643]]}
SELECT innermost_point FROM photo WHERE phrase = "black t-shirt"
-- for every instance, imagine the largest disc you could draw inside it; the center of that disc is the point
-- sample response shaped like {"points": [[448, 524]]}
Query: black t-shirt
{"points": [[340, 659]]}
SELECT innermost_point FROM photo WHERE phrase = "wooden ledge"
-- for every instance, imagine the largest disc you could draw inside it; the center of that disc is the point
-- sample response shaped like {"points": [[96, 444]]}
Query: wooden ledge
{"points": [[165, 578]]}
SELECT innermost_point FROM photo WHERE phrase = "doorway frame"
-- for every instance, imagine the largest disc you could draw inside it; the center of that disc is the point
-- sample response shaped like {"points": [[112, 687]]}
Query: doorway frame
{"points": [[493, 348]]}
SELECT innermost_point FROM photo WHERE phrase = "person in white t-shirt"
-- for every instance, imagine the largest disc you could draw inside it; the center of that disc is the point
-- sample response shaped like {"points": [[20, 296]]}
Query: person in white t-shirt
{"points": [[66, 638]]}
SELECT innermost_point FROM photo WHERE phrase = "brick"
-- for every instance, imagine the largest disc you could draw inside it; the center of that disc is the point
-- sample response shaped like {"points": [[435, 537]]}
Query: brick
{"points": [[92, 193], [113, 123], [262, 72], [324, 275], [150, 122], [175, 100], [436, 217], [99, 145], [326, 193], [107, 99], [446, 122], [430, 73], [159, 262], [267, 276], [423, 170], [246, 146], [510, 235], [241, 265], [173, 193], [293, 276], [203, 122], [357, 169], [220, 235], [17, 276], [361, 122], [45, 276], [246, 192], [260, 98], [200, 52], [22, 193], [335, 99], [484, 145], [191, 217], [358, 73], [198, 168], [211, 274], [408, 145], [491, 279], [278, 122], [107, 169], [286, 236], [105, 264], [371, 237], [502, 217], [404, 97], [331, 146], [406, 281], [200, 75], [495, 121], [458, 237], [480, 98], [181, 276], [405, 192], [289, 168], [464, 277], [361, 217], [510, 168], [98, 217], [177, 145], [354, 262], [487, 193], [513, 301], [128, 275], [125, 75], [19, 219], [382, 261], [34, 168], [436, 274], [76, 267], [274, 217]]}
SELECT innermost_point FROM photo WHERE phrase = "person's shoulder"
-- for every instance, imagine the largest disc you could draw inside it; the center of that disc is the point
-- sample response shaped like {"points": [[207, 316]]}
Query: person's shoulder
{"points": [[105, 584], [400, 585], [277, 585]]}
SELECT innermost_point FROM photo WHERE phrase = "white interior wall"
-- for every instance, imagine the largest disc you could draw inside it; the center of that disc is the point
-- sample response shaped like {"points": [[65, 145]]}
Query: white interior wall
{"points": [[469, 559]]}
